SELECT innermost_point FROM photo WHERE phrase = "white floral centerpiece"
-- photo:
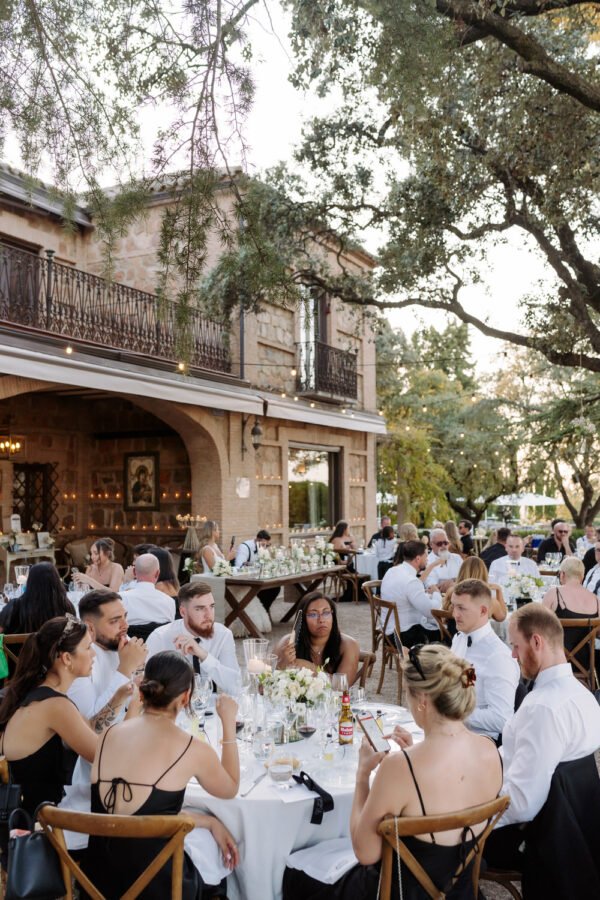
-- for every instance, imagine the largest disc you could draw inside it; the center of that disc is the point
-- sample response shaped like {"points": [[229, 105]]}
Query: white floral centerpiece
{"points": [[523, 585], [222, 568], [296, 685], [190, 565]]}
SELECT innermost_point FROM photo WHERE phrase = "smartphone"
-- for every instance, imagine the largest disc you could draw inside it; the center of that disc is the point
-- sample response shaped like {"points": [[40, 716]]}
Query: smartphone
{"points": [[232, 542], [373, 732]]}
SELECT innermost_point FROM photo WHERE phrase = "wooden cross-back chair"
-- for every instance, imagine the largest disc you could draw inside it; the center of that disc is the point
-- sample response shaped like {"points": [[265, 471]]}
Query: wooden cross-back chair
{"points": [[56, 821], [371, 588], [585, 674], [395, 828], [384, 613], [366, 661], [14, 640], [442, 616]]}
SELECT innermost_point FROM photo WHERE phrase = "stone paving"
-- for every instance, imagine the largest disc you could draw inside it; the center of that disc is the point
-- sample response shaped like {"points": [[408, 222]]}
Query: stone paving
{"points": [[355, 619]]}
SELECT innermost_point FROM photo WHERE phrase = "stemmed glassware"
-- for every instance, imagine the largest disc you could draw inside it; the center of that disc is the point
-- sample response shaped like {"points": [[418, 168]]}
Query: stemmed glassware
{"points": [[200, 699]]}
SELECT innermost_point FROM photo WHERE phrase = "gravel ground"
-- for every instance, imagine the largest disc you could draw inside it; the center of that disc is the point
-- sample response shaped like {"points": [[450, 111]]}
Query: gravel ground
{"points": [[355, 619]]}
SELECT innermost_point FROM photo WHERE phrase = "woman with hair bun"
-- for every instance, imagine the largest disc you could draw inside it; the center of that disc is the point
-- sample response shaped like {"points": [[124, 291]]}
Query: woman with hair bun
{"points": [[448, 771], [38, 721], [143, 766], [104, 572]]}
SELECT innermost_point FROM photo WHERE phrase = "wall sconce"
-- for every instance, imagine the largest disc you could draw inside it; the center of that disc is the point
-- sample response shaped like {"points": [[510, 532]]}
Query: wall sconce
{"points": [[256, 433]]}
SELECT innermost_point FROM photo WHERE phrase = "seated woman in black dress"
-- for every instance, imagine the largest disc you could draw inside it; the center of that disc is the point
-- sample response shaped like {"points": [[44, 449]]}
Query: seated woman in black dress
{"points": [[37, 719], [449, 770], [143, 766], [318, 642], [44, 598]]}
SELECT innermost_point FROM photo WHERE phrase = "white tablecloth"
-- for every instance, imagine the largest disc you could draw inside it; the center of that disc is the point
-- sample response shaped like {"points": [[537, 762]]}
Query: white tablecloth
{"points": [[270, 824], [366, 564]]}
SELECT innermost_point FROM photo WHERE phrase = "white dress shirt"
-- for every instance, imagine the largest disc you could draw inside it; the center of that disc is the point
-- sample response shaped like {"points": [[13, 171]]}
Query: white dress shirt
{"points": [[449, 571], [221, 663], [246, 553], [401, 586], [583, 544], [90, 695], [144, 604], [558, 721], [500, 568], [592, 580], [497, 678]]}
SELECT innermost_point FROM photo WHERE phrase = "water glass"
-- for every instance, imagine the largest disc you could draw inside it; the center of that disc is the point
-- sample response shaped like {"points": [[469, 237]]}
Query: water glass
{"points": [[202, 694], [263, 744], [339, 683]]}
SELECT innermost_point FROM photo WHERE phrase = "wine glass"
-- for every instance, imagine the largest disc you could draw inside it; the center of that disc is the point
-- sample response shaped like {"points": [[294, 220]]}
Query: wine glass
{"points": [[339, 683], [202, 694]]}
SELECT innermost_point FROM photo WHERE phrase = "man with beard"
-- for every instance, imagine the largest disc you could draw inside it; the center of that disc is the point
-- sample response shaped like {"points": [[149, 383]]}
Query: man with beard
{"points": [[102, 697], [207, 644], [401, 585], [558, 721], [117, 658]]}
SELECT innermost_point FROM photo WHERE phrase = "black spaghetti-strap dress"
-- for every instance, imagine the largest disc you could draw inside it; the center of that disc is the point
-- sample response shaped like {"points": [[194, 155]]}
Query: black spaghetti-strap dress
{"points": [[574, 635], [439, 861], [113, 864], [43, 774]]}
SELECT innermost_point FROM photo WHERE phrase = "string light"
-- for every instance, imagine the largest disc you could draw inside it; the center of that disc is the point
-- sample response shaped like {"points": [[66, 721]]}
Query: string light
{"points": [[68, 350]]}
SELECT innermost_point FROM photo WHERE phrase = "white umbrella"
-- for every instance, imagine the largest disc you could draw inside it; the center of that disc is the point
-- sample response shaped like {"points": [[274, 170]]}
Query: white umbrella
{"points": [[526, 500]]}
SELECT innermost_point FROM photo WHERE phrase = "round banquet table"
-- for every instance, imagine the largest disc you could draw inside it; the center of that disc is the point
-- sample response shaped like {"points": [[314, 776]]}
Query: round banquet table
{"points": [[270, 823], [366, 564]]}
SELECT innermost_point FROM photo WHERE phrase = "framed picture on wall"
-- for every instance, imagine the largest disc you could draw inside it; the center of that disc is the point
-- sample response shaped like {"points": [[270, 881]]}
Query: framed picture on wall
{"points": [[141, 481]]}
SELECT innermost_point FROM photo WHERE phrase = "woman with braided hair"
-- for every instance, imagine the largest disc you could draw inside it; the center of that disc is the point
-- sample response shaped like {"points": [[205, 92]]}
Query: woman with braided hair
{"points": [[449, 770]]}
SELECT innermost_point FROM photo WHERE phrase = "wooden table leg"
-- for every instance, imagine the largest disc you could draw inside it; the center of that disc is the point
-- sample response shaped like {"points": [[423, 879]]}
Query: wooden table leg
{"points": [[238, 607]]}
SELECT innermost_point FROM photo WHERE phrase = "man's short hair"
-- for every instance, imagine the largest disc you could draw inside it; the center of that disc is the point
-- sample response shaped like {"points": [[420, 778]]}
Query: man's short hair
{"points": [[91, 603], [503, 534], [466, 523], [194, 589], [412, 549], [263, 535], [145, 565], [556, 522], [476, 590], [535, 618]]}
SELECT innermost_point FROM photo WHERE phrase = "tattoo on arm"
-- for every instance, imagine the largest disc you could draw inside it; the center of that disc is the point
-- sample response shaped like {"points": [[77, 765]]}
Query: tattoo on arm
{"points": [[104, 718]]}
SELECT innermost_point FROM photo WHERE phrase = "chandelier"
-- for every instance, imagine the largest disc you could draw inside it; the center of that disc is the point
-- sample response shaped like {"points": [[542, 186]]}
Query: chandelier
{"points": [[11, 445]]}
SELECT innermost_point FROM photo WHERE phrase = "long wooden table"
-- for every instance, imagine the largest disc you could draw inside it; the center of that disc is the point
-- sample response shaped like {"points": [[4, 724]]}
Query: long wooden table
{"points": [[304, 582]]}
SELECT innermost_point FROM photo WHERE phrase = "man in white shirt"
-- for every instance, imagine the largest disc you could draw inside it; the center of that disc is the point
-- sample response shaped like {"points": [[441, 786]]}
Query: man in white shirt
{"points": [[592, 579], [444, 576], [102, 696], [513, 561], [143, 602], [402, 586], [207, 644], [586, 541], [247, 554], [497, 672], [558, 721]]}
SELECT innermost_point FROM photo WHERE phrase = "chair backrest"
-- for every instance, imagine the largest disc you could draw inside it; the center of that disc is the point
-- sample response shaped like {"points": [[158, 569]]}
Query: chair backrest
{"points": [[586, 674], [366, 661], [173, 828], [442, 616], [369, 588], [386, 612], [397, 827], [14, 640]]}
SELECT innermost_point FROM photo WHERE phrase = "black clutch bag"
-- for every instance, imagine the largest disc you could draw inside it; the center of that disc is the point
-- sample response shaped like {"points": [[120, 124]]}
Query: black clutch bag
{"points": [[34, 870]]}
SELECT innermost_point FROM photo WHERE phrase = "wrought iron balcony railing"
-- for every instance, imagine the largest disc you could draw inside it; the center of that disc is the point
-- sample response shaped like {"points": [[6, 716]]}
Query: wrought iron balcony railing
{"points": [[37, 293], [325, 371]]}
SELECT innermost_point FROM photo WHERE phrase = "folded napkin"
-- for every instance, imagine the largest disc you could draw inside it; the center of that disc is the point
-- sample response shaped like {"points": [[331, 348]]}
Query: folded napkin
{"points": [[326, 861]]}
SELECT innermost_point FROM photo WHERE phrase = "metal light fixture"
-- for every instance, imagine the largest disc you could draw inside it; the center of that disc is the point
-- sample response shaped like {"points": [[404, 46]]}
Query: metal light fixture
{"points": [[256, 434]]}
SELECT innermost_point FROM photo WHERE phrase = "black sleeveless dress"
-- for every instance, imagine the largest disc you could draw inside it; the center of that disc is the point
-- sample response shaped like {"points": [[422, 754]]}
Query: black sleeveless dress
{"points": [[439, 861], [43, 774], [113, 864], [574, 635]]}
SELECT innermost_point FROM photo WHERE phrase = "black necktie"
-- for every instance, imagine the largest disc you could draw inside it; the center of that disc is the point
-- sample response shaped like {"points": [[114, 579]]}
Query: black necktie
{"points": [[469, 641], [196, 661]]}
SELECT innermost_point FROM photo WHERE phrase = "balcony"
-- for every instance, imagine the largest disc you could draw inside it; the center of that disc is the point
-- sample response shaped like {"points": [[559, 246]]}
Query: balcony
{"points": [[42, 296], [326, 373]]}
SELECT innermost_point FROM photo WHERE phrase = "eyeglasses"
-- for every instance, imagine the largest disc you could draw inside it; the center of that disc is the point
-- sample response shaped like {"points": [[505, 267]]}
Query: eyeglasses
{"points": [[441, 543], [413, 656], [313, 616]]}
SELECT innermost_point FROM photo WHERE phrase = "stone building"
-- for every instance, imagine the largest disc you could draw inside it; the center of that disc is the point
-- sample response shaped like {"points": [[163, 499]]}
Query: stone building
{"points": [[113, 438]]}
